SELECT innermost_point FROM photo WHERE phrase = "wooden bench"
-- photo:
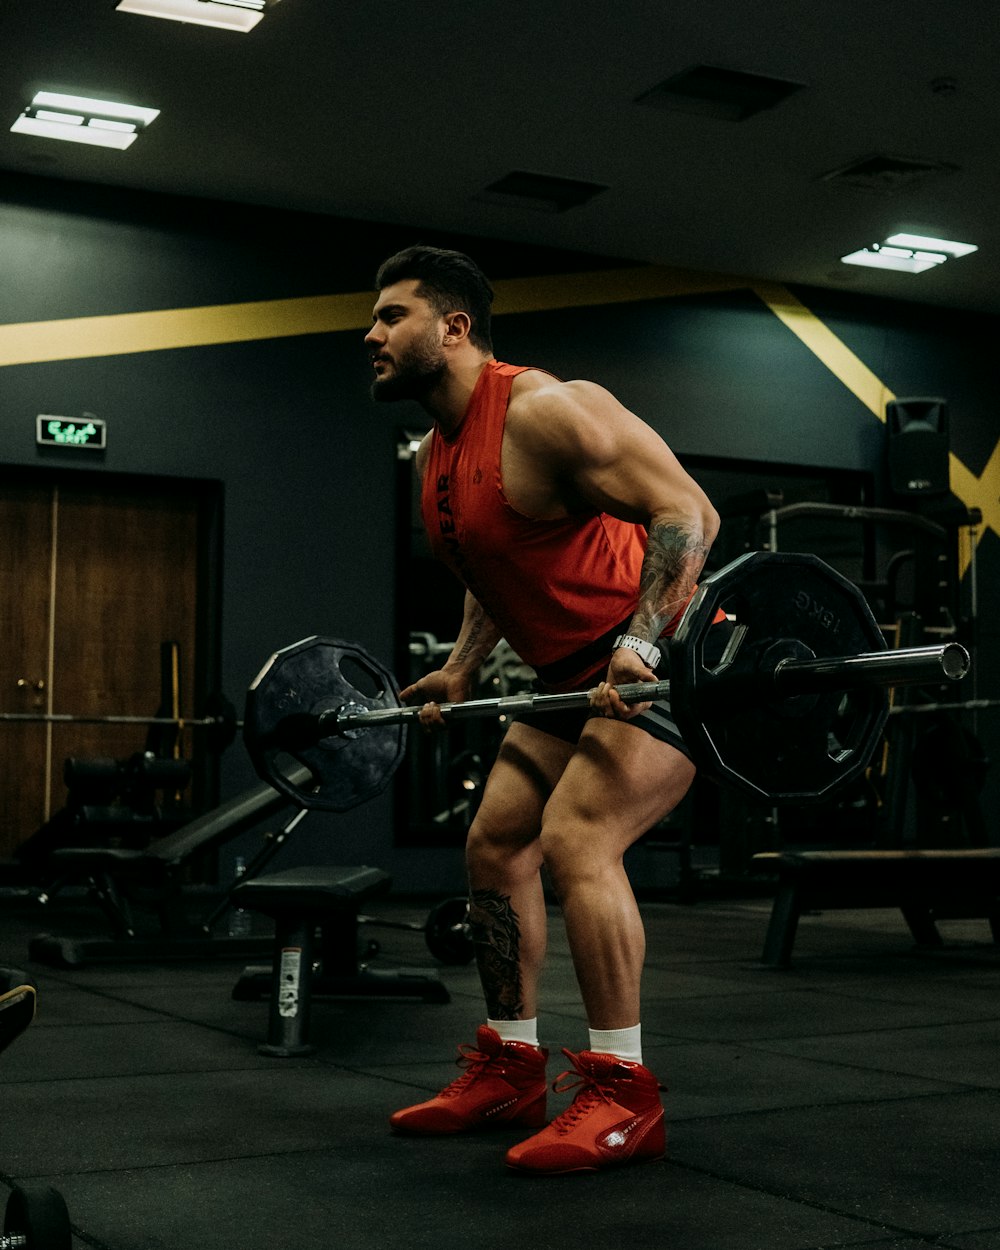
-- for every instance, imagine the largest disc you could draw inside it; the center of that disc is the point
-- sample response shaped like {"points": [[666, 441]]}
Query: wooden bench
{"points": [[925, 885]]}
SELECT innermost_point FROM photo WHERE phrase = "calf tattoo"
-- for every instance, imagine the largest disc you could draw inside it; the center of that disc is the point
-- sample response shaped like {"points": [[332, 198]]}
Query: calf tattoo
{"points": [[497, 938]]}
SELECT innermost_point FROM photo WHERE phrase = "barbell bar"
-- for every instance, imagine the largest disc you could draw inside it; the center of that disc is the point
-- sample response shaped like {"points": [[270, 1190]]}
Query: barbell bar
{"points": [[67, 718], [788, 679], [222, 725], [788, 705]]}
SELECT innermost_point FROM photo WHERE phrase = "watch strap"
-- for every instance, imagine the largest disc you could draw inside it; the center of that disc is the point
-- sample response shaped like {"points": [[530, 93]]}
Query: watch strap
{"points": [[648, 652]]}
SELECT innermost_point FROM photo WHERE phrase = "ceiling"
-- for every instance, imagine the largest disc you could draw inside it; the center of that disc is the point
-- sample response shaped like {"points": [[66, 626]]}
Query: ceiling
{"points": [[404, 113]]}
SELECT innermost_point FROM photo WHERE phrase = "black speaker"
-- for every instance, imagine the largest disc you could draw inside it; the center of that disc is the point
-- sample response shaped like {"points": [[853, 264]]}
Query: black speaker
{"points": [[917, 448]]}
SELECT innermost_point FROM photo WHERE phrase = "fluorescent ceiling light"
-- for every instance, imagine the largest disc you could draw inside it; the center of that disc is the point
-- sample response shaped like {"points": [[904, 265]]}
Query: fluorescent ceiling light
{"points": [[80, 134], [67, 119], [82, 119], [932, 245], [95, 108], [892, 258], [238, 15], [908, 253]]}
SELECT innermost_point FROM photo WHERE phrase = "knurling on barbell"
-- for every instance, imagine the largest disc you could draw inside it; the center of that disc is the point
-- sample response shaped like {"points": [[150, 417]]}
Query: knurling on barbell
{"points": [[791, 713]]}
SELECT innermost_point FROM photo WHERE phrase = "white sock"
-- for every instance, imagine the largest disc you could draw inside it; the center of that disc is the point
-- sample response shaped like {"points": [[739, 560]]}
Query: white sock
{"points": [[516, 1030], [622, 1043]]}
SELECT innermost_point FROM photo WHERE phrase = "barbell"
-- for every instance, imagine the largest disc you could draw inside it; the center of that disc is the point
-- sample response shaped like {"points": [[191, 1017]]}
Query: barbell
{"points": [[792, 712], [219, 721]]}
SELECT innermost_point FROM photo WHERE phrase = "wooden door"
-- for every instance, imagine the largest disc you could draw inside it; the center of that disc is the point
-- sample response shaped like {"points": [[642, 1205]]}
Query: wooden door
{"points": [[26, 556], [96, 580]]}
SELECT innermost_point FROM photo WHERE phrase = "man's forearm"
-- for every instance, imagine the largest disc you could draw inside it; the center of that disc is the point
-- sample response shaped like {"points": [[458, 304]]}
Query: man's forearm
{"points": [[476, 639], [675, 555]]}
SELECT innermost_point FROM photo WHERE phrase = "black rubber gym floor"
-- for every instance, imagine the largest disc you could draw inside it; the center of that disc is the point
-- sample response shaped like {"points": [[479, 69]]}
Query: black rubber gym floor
{"points": [[852, 1100]]}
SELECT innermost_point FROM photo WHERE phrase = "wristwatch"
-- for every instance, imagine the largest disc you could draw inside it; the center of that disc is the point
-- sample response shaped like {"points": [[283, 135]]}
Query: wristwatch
{"points": [[648, 652]]}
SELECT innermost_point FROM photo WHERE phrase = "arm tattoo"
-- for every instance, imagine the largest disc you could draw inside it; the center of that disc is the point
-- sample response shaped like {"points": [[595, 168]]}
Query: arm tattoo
{"points": [[477, 625], [675, 555], [497, 939]]}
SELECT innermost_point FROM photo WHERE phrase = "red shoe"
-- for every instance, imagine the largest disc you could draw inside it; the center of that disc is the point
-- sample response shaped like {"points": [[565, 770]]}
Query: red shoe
{"points": [[615, 1118], [504, 1083]]}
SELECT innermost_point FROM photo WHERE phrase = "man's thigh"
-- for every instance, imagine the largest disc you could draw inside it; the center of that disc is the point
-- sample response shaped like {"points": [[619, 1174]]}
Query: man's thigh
{"points": [[527, 769], [618, 783]]}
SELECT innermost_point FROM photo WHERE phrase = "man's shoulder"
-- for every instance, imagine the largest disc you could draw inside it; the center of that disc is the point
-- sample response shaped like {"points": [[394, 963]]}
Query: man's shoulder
{"points": [[536, 393]]}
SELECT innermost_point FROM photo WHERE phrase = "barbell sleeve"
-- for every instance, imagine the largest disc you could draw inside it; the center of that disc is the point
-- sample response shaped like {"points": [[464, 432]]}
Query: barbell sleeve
{"points": [[903, 667]]}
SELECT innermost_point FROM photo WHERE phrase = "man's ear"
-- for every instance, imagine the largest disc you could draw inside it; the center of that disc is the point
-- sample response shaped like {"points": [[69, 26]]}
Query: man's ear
{"points": [[457, 327]]}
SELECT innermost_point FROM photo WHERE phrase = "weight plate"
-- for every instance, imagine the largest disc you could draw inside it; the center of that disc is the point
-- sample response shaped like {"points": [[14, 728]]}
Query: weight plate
{"points": [[306, 679], [446, 932], [782, 750]]}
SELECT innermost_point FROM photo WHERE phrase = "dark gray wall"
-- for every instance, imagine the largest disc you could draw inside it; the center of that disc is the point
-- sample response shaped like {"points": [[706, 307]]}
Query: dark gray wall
{"points": [[307, 461]]}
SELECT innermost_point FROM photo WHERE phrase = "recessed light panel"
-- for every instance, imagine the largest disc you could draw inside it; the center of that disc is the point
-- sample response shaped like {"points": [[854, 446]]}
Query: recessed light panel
{"points": [[83, 119], [908, 253], [238, 15], [925, 241]]}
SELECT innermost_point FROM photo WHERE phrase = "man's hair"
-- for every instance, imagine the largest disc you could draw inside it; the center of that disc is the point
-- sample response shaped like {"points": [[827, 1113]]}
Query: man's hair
{"points": [[449, 281]]}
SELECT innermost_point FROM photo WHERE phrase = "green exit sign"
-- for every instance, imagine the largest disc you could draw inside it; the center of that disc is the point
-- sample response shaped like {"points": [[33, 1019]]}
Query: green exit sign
{"points": [[70, 432]]}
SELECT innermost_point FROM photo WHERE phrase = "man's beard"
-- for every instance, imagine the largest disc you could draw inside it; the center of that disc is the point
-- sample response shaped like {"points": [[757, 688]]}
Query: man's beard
{"points": [[412, 376]]}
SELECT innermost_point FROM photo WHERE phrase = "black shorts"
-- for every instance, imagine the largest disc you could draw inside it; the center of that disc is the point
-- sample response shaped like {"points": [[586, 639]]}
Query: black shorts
{"points": [[657, 720]]}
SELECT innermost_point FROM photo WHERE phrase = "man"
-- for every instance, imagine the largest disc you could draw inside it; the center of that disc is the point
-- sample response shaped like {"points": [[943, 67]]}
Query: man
{"points": [[579, 539]]}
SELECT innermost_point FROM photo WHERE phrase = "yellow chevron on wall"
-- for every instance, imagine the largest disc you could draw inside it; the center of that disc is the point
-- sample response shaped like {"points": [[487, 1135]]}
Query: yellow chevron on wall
{"points": [[981, 492], [76, 338]]}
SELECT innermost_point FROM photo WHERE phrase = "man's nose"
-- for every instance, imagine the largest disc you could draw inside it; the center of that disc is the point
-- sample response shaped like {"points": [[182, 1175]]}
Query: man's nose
{"points": [[373, 335]]}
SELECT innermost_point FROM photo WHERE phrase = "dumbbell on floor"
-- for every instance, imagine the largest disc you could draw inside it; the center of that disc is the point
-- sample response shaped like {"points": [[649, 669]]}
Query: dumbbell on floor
{"points": [[446, 931]]}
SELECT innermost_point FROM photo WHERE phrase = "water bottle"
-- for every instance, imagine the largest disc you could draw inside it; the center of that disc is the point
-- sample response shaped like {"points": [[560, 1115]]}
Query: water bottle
{"points": [[240, 920]]}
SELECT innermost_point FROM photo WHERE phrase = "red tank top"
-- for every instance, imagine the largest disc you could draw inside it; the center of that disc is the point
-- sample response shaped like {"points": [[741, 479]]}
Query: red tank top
{"points": [[551, 587]]}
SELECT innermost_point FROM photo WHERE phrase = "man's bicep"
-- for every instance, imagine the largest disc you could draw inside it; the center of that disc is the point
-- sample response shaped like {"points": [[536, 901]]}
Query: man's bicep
{"points": [[628, 470]]}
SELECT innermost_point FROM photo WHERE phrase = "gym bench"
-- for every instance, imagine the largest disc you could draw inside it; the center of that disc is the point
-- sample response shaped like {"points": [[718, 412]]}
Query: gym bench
{"points": [[154, 876], [315, 913], [926, 885]]}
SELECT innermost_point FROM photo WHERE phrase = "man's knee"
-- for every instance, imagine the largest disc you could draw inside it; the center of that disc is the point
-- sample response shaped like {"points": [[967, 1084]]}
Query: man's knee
{"points": [[572, 852], [495, 848]]}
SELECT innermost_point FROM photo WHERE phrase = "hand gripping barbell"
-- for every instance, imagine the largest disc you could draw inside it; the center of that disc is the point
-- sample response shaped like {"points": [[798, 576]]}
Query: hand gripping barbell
{"points": [[791, 713]]}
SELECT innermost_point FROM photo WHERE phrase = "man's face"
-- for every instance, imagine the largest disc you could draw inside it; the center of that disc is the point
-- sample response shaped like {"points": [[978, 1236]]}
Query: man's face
{"points": [[404, 344]]}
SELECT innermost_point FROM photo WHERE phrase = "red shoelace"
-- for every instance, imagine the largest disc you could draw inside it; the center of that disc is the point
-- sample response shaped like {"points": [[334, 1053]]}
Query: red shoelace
{"points": [[590, 1093], [473, 1061]]}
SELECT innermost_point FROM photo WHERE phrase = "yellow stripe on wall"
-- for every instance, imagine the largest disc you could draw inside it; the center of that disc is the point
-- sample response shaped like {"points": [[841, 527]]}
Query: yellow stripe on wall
{"points": [[76, 338], [825, 345], [606, 286]]}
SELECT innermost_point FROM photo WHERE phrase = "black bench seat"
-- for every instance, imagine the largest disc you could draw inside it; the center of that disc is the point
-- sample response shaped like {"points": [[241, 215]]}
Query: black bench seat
{"points": [[315, 913], [926, 885], [110, 873]]}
